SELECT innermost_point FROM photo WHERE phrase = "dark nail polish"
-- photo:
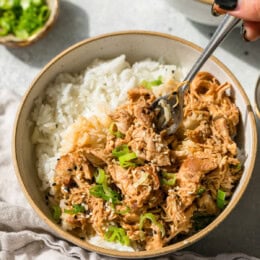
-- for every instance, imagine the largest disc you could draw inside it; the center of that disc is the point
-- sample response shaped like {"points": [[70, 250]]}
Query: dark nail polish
{"points": [[243, 33], [226, 4]]}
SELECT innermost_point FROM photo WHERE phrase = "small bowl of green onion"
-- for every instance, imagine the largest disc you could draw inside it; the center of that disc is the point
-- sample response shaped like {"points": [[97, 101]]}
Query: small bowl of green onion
{"points": [[23, 22]]}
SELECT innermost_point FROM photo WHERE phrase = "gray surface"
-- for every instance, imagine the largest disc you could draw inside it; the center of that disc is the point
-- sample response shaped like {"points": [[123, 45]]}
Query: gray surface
{"points": [[80, 19]]}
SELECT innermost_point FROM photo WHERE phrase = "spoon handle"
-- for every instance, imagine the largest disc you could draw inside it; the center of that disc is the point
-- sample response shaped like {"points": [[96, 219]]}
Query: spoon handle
{"points": [[224, 28]]}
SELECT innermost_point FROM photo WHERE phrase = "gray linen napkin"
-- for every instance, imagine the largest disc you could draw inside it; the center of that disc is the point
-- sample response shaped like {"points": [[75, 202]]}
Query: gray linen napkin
{"points": [[23, 235]]}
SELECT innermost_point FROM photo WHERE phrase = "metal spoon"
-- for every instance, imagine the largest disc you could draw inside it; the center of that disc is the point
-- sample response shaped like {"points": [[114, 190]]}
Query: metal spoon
{"points": [[169, 108]]}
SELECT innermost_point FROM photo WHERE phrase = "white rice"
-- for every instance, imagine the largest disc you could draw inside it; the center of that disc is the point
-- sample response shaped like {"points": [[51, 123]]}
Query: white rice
{"points": [[99, 89]]}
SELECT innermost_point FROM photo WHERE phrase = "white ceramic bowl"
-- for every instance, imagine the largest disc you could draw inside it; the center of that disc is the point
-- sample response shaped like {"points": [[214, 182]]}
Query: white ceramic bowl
{"points": [[197, 10], [136, 45]]}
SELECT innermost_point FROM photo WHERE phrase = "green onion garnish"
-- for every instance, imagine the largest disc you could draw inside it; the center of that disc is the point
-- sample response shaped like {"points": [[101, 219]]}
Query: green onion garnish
{"points": [[117, 234], [152, 218], [77, 208], [113, 131], [22, 18], [200, 191], [168, 179], [100, 177], [56, 212], [105, 193], [221, 199], [153, 83], [239, 166], [125, 157], [102, 190], [125, 160], [120, 150]]}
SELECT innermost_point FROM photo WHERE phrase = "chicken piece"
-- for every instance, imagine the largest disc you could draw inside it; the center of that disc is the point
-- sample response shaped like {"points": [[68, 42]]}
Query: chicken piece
{"points": [[189, 176], [97, 157], [176, 217], [123, 119], [100, 215], [136, 184], [72, 165], [141, 95], [207, 204], [70, 222], [155, 241], [221, 129], [140, 103], [203, 87], [200, 133], [149, 146], [133, 231], [143, 115]]}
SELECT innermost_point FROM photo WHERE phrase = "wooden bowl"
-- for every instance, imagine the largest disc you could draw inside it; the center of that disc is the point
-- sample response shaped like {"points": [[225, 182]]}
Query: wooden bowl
{"points": [[12, 41], [136, 45]]}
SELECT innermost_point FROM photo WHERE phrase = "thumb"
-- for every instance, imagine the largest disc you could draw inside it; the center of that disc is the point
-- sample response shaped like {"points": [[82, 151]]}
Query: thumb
{"points": [[248, 10]]}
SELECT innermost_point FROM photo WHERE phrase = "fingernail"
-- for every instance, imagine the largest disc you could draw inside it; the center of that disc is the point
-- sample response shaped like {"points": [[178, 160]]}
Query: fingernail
{"points": [[214, 12], [243, 33], [226, 4]]}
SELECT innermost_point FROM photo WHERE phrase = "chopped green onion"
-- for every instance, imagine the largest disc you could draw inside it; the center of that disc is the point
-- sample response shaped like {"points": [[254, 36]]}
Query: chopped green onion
{"points": [[125, 156], [239, 166], [152, 218], [37, 2], [120, 150], [105, 193], [102, 190], [113, 131], [101, 176], [153, 83], [25, 4], [168, 179], [221, 199], [200, 191], [56, 212], [117, 234], [9, 4], [22, 17], [125, 160], [77, 208], [5, 26]]}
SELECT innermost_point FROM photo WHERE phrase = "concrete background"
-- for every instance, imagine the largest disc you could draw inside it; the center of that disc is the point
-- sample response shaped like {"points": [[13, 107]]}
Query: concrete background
{"points": [[80, 19]]}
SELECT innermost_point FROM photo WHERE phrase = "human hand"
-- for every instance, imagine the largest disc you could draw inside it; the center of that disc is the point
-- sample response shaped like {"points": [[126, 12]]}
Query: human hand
{"points": [[247, 10]]}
